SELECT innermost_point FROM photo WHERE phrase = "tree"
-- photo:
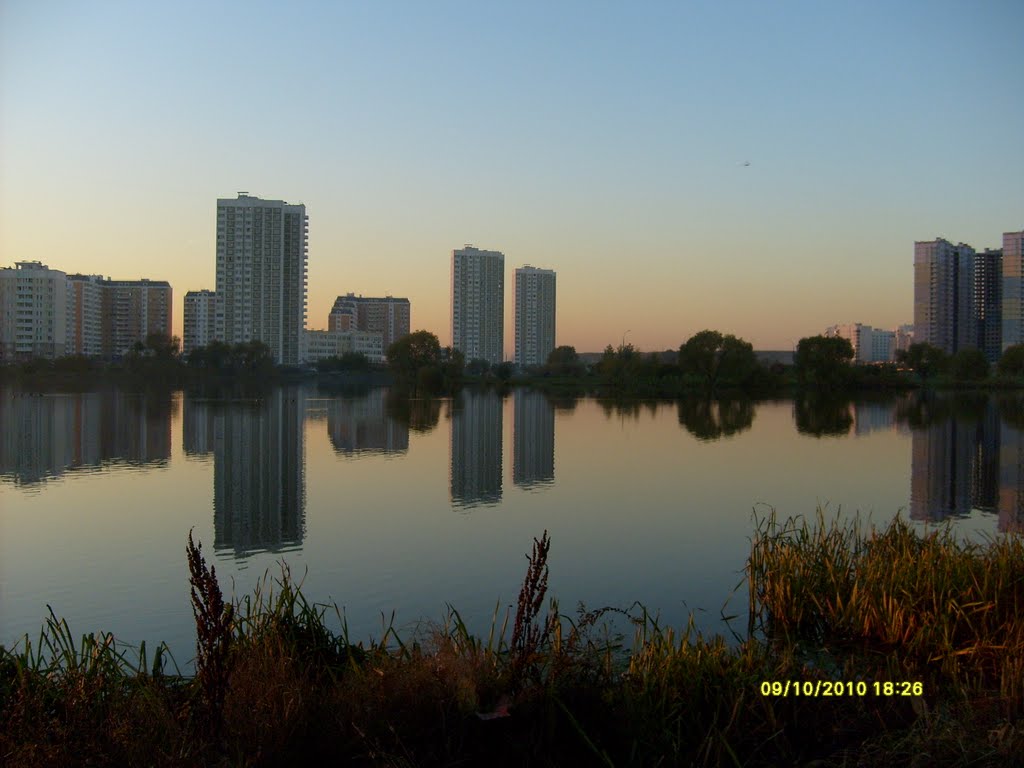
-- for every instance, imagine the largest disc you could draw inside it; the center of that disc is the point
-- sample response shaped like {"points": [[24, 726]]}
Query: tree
{"points": [[823, 361], [923, 358], [713, 358], [1012, 361], [162, 346], [417, 362], [969, 364], [563, 361]]}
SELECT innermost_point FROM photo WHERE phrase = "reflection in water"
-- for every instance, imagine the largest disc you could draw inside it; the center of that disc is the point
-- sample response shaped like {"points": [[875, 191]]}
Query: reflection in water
{"points": [[259, 484], [714, 419], [419, 414], [873, 416], [822, 416], [476, 448], [533, 439], [44, 436], [357, 425], [964, 457]]}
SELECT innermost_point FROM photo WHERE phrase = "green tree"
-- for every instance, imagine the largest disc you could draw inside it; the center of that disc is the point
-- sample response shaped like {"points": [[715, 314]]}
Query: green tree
{"points": [[161, 346], [1012, 361], [716, 358], [924, 359], [823, 361], [564, 361], [419, 364], [969, 365]]}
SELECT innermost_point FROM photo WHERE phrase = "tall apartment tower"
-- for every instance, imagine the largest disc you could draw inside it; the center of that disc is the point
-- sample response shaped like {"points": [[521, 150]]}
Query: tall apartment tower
{"points": [[988, 302], [261, 274], [944, 301], [33, 311], [478, 304], [1013, 289], [85, 315], [535, 315], [200, 320], [387, 316]]}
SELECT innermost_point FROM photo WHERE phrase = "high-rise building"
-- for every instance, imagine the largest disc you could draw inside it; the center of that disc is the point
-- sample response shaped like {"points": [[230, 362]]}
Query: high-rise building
{"points": [[200, 320], [387, 316], [988, 302], [478, 304], [860, 336], [944, 303], [1013, 289], [132, 310], [85, 315], [33, 311], [535, 315], [261, 274]]}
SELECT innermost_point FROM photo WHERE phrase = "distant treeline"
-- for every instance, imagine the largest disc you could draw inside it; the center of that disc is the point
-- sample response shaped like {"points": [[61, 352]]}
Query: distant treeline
{"points": [[709, 363]]}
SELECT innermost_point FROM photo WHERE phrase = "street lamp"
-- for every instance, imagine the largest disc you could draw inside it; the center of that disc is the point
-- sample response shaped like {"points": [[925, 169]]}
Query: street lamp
{"points": [[622, 344]]}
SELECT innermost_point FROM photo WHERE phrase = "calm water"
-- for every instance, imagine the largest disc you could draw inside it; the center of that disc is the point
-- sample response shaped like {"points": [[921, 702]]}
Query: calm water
{"points": [[404, 507]]}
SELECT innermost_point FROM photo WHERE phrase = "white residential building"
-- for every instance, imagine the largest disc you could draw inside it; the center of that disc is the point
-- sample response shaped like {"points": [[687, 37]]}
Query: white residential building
{"points": [[478, 304], [261, 274], [944, 296], [85, 315], [33, 311], [535, 315], [319, 345], [200, 320]]}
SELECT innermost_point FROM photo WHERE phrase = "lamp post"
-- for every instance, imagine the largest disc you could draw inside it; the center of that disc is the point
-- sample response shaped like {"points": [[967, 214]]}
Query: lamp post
{"points": [[622, 344]]}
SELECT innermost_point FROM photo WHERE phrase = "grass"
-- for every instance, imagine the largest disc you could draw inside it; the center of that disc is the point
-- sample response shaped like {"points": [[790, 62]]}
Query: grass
{"points": [[274, 685]]}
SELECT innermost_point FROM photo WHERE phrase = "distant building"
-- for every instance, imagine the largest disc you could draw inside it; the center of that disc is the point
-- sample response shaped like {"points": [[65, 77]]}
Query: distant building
{"points": [[988, 302], [904, 337], [478, 304], [261, 274], [33, 311], [945, 313], [883, 346], [535, 315], [1013, 289], [131, 311], [320, 345], [387, 316], [85, 315], [200, 320]]}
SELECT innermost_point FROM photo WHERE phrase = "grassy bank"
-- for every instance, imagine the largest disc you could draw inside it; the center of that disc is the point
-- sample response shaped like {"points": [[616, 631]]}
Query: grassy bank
{"points": [[937, 619]]}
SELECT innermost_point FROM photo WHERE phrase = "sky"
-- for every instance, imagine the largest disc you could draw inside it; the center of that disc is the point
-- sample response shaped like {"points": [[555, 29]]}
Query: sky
{"points": [[605, 141]]}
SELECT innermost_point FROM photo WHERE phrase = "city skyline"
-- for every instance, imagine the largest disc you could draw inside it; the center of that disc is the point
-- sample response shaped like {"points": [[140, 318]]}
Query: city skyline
{"points": [[610, 144]]}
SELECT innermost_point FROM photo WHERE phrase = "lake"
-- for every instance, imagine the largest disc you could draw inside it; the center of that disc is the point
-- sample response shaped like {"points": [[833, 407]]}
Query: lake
{"points": [[394, 507]]}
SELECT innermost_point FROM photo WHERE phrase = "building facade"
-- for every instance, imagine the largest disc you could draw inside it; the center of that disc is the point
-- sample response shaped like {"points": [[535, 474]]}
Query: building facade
{"points": [[200, 320], [33, 311], [131, 311], [387, 316], [988, 302], [1013, 289], [85, 315], [945, 313], [262, 248], [320, 345], [478, 304], [535, 315]]}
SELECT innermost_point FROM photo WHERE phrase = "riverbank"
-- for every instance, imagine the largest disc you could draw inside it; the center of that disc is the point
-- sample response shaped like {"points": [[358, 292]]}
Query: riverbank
{"points": [[861, 648]]}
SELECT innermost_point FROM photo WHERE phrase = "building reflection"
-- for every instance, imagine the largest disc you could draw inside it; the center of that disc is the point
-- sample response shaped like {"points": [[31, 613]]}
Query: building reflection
{"points": [[533, 439], [476, 449], [44, 436], [259, 484], [961, 463], [362, 425]]}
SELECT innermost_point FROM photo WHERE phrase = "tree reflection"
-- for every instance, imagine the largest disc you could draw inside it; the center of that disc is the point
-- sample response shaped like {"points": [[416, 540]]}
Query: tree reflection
{"points": [[822, 416], [421, 414], [714, 419]]}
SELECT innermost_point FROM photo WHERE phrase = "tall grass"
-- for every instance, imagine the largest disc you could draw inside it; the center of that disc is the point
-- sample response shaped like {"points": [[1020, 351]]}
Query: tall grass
{"points": [[275, 685]]}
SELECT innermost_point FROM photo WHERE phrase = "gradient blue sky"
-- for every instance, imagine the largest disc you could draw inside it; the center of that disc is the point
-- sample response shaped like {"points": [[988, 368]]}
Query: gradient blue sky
{"points": [[601, 140]]}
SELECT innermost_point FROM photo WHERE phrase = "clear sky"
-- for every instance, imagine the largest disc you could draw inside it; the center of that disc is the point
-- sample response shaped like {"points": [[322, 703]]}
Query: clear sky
{"points": [[606, 141]]}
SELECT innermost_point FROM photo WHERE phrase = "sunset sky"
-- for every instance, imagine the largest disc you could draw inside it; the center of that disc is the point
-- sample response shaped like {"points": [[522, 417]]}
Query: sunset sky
{"points": [[606, 141]]}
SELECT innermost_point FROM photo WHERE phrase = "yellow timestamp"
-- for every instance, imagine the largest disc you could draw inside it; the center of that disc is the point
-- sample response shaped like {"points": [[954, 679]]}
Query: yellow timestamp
{"points": [[835, 688]]}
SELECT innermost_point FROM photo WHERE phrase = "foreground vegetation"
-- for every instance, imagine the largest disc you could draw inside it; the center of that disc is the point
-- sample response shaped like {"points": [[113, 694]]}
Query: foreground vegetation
{"points": [[939, 619]]}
